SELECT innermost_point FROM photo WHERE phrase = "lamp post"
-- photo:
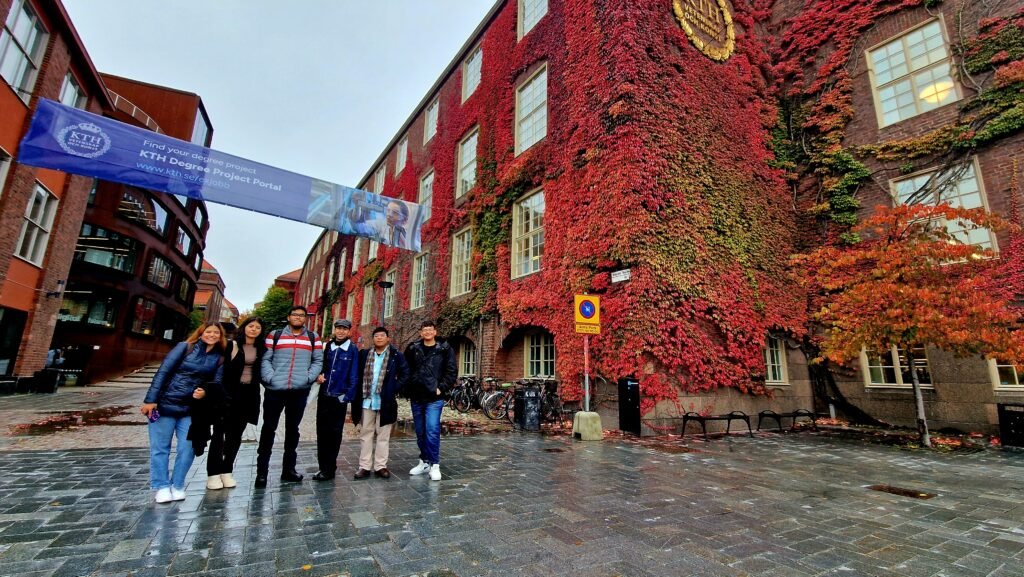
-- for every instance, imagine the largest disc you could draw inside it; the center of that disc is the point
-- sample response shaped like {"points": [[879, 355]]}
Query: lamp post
{"points": [[384, 285]]}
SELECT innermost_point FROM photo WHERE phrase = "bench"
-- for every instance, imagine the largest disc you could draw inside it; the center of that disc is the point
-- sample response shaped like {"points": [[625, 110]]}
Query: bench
{"points": [[703, 419], [768, 414]]}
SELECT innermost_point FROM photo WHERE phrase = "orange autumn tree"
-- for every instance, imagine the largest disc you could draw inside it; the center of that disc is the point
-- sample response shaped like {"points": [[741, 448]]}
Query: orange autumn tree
{"points": [[911, 283]]}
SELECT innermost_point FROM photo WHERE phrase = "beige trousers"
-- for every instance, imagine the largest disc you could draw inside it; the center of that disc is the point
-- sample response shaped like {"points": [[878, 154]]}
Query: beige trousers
{"points": [[373, 454]]}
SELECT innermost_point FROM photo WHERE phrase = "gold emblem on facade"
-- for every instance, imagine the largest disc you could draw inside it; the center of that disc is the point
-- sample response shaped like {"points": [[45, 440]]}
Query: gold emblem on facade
{"points": [[708, 24]]}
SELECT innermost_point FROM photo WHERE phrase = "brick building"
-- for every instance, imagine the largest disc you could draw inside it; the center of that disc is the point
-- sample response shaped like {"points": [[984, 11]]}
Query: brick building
{"points": [[533, 140], [104, 271]]}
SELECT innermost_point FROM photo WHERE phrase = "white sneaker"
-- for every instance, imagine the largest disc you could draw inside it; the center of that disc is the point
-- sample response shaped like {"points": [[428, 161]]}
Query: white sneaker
{"points": [[177, 494], [419, 469], [213, 482], [228, 481], [435, 472], [163, 495]]}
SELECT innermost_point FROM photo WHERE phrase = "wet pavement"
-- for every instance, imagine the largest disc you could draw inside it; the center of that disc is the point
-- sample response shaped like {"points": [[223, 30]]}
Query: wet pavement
{"points": [[510, 504]]}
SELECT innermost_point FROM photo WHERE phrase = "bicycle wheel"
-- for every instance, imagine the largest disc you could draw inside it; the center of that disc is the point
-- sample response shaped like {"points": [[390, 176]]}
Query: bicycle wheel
{"points": [[510, 408], [551, 408], [490, 406], [461, 401]]}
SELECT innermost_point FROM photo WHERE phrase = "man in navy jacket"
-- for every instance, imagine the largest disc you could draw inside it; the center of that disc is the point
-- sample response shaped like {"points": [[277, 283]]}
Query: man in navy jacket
{"points": [[339, 376]]}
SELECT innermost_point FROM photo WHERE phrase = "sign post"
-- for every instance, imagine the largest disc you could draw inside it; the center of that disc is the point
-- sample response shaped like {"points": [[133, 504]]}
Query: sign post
{"points": [[587, 310]]}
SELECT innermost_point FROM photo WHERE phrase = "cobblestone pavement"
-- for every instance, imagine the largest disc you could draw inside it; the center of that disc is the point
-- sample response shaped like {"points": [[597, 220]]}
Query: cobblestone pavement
{"points": [[526, 504]]}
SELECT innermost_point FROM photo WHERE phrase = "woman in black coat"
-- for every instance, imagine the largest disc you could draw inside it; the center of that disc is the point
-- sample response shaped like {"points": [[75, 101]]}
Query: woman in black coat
{"points": [[240, 404]]}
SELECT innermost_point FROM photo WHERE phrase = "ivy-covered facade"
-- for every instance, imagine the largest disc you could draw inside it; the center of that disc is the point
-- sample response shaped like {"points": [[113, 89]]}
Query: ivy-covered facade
{"points": [[699, 145]]}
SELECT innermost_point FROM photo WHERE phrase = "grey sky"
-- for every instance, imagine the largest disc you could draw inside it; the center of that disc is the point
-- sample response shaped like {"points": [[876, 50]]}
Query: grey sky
{"points": [[317, 87]]}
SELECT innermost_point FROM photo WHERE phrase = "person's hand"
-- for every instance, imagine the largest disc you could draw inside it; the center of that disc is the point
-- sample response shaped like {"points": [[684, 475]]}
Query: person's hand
{"points": [[199, 393], [147, 408], [320, 379], [439, 392]]}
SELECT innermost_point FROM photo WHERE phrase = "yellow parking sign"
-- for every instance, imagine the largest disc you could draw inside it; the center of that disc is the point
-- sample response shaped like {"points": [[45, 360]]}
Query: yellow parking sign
{"points": [[588, 310]]}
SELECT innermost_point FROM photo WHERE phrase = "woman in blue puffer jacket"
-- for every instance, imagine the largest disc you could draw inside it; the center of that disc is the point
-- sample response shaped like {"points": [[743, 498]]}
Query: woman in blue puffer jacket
{"points": [[189, 370]]}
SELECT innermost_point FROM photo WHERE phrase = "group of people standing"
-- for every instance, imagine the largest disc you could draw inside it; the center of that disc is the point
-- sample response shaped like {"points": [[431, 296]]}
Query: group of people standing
{"points": [[208, 389]]}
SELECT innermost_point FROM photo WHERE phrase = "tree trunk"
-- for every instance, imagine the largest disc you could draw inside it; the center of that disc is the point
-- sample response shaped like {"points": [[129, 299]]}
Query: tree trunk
{"points": [[922, 422]]}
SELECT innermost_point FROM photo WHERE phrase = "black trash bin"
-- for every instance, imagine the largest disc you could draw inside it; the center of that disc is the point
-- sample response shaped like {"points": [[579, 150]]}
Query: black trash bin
{"points": [[1011, 424], [629, 405], [527, 408]]}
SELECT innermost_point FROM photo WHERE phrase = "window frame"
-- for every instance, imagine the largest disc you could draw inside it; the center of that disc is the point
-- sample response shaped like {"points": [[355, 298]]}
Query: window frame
{"points": [[50, 207], [401, 154], [529, 347], [131, 245], [865, 365], [468, 90], [975, 167], [80, 97], [993, 367], [430, 126], [355, 254], [380, 177], [516, 237], [461, 163], [139, 301], [467, 359], [426, 208], [877, 88], [521, 29], [29, 75], [389, 294], [6, 162], [461, 264], [367, 304], [418, 281], [518, 119], [778, 344], [151, 266]]}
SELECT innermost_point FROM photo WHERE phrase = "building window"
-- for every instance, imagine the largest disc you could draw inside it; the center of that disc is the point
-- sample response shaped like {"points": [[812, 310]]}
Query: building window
{"points": [[371, 253], [184, 289], [467, 359], [892, 368], [341, 265], [467, 164], [528, 234], [462, 271], [911, 74], [139, 206], [775, 361], [160, 272], [530, 12], [418, 296], [430, 123], [532, 110], [540, 355], [199, 218], [88, 309], [367, 304], [350, 305], [1006, 377], [35, 230], [102, 247], [426, 196], [5, 167], [355, 254], [184, 242], [145, 314], [22, 44], [389, 294], [201, 129], [199, 262], [403, 151], [965, 192], [471, 73], [71, 93], [378, 179]]}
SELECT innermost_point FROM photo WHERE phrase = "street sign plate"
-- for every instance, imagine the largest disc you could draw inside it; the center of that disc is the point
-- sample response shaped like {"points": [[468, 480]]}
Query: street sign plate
{"points": [[622, 275], [587, 329]]}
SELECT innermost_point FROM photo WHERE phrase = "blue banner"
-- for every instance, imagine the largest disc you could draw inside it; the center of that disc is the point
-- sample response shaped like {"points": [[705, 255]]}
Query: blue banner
{"points": [[72, 140]]}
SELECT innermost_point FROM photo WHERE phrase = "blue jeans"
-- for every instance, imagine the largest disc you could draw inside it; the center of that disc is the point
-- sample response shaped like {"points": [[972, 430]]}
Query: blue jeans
{"points": [[426, 419], [160, 433]]}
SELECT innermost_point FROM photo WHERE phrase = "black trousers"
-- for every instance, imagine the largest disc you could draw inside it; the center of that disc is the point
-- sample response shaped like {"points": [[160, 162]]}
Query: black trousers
{"points": [[293, 404], [224, 444], [330, 422]]}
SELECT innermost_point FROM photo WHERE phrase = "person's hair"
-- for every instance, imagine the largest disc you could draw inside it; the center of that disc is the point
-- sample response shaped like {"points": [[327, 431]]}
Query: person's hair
{"points": [[196, 334], [381, 330], [427, 323], [402, 208], [298, 308], [260, 339]]}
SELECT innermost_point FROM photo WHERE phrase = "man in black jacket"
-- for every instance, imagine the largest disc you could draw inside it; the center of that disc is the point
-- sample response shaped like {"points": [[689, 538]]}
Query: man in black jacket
{"points": [[340, 375], [432, 372]]}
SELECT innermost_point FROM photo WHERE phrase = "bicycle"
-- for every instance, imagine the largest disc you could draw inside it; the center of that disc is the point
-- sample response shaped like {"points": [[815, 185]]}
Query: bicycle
{"points": [[470, 394], [497, 403]]}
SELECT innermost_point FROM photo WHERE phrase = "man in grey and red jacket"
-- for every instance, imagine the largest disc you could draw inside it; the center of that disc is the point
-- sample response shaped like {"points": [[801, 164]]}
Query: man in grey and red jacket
{"points": [[291, 364]]}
